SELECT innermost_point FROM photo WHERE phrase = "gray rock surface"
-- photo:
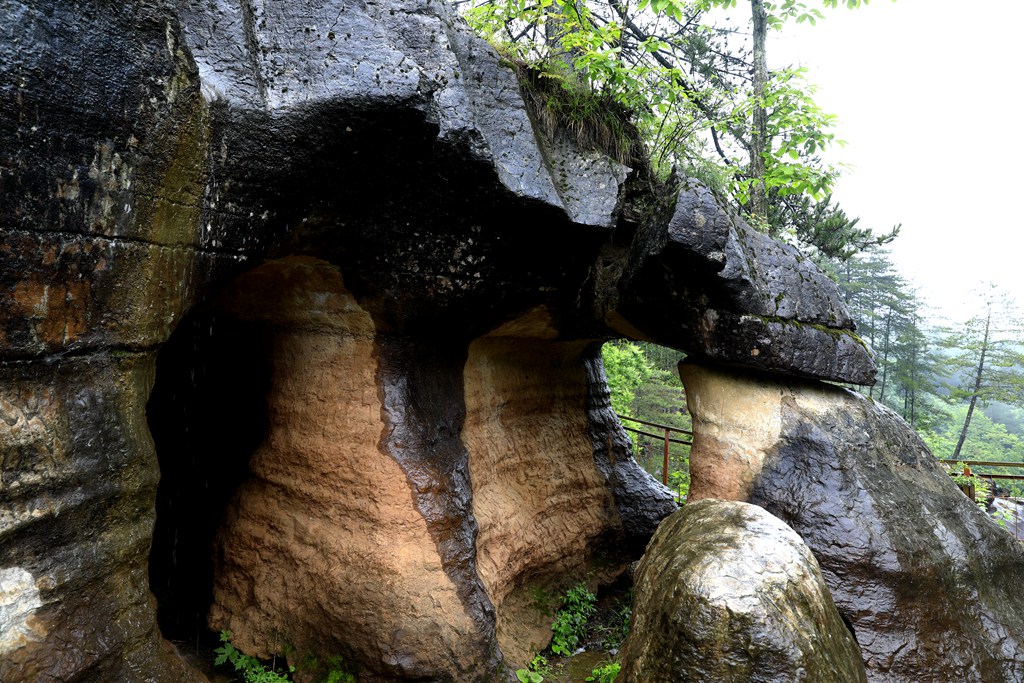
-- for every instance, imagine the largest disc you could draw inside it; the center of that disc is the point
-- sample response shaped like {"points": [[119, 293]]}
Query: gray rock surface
{"points": [[642, 503], [927, 581], [709, 283], [930, 583], [728, 593], [77, 471]]}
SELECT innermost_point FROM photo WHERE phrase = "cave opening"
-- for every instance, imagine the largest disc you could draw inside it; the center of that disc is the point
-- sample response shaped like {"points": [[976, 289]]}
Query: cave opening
{"points": [[207, 415], [648, 396]]}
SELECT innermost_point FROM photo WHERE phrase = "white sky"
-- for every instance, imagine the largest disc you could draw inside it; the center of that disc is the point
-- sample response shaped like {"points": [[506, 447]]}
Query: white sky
{"points": [[929, 98]]}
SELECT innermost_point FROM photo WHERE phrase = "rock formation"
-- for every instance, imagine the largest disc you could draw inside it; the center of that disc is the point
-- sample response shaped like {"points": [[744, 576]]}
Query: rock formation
{"points": [[379, 294], [928, 582], [726, 592]]}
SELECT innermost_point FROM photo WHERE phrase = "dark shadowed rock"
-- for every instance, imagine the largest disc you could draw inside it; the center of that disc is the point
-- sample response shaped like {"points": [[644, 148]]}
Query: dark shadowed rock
{"points": [[641, 503], [929, 583], [728, 593], [77, 477]]}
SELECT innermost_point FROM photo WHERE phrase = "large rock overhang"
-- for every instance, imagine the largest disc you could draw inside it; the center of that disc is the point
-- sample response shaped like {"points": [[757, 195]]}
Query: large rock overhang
{"points": [[706, 282]]}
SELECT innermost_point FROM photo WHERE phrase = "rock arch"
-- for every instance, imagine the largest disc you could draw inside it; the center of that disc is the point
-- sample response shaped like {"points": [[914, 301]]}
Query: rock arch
{"points": [[410, 249]]}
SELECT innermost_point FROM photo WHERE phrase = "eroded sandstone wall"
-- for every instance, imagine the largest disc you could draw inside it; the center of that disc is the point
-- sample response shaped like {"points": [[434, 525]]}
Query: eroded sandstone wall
{"points": [[77, 482], [322, 550], [151, 151], [540, 501], [737, 420]]}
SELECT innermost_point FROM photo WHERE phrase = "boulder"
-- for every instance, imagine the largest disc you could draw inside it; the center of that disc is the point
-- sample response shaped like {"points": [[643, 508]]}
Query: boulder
{"points": [[928, 582], [728, 593]]}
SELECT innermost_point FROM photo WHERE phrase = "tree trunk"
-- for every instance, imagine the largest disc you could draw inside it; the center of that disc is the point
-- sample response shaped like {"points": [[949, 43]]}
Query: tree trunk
{"points": [[759, 135], [885, 355], [909, 413], [977, 388], [871, 340], [559, 17]]}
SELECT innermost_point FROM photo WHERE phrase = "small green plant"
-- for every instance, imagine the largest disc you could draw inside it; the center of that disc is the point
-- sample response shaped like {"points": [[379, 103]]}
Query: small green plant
{"points": [[542, 600], [331, 670], [617, 629], [679, 480], [606, 673], [1002, 517], [527, 676], [960, 474], [571, 621], [536, 672], [251, 668], [982, 487]]}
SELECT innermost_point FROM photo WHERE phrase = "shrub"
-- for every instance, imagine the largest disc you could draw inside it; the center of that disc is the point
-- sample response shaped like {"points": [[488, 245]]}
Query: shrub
{"points": [[251, 668], [571, 621]]}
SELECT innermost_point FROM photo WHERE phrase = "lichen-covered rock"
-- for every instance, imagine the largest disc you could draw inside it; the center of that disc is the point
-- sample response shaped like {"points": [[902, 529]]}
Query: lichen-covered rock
{"points": [[928, 582], [728, 593]]}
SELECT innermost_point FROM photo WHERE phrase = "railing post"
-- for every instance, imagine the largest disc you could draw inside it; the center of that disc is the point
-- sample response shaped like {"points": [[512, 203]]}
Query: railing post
{"points": [[664, 468]]}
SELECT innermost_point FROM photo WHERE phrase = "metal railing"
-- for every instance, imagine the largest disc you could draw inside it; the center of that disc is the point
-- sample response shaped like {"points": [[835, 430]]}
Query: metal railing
{"points": [[1009, 512], [665, 436], [987, 463]]}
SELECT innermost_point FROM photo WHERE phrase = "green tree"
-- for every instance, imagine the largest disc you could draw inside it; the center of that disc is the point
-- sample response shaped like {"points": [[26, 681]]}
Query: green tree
{"points": [[823, 226], [701, 103], [889, 316], [986, 359], [658, 398], [988, 440], [626, 368]]}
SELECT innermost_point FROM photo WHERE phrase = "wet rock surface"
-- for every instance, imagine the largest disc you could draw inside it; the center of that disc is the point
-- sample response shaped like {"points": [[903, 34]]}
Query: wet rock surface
{"points": [[550, 500], [641, 504], [78, 480], [153, 152], [927, 581], [930, 583], [709, 283], [727, 592], [321, 548]]}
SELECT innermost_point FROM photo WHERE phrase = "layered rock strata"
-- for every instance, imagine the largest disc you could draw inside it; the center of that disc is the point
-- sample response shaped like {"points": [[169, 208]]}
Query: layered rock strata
{"points": [[549, 501], [322, 532], [78, 471]]}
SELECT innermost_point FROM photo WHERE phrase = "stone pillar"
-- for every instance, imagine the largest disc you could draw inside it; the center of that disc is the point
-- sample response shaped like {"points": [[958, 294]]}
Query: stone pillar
{"points": [[736, 419]]}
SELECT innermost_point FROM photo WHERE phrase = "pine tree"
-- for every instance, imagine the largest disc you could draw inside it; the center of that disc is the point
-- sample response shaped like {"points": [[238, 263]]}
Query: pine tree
{"points": [[986, 361]]}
